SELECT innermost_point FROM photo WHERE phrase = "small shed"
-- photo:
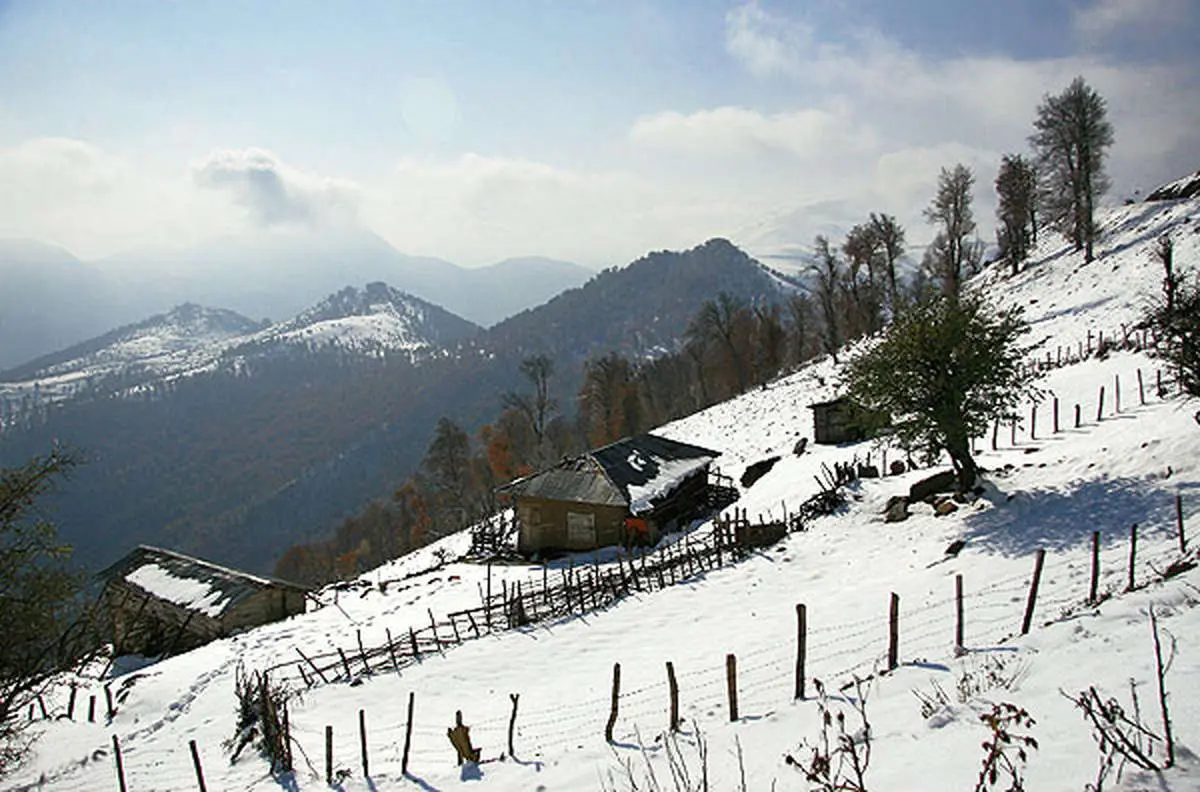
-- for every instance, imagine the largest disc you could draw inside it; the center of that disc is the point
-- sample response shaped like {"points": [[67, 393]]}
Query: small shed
{"points": [[162, 602], [630, 491], [835, 421]]}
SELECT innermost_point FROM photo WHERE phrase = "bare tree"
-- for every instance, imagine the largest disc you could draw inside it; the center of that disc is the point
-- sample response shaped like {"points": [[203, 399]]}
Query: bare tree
{"points": [[890, 235], [951, 211], [716, 322], [828, 271], [1016, 187], [537, 407], [1070, 139]]}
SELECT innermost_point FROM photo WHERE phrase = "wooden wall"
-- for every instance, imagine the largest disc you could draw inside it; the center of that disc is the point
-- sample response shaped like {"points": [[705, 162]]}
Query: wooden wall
{"points": [[546, 525]]}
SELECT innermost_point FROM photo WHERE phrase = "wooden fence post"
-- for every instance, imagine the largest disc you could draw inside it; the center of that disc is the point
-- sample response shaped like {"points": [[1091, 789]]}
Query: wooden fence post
{"points": [[433, 626], [1141, 388], [362, 653], [995, 431], [407, 734], [313, 665], [392, 651], [731, 685], [801, 647], [329, 755], [1055, 415], [958, 614], [1077, 419], [512, 722], [1100, 406], [488, 603], [673, 690], [362, 741], [894, 632], [1179, 522], [92, 708], [345, 664], [1033, 421], [120, 763], [1012, 432], [1033, 589], [1094, 588], [1132, 556], [196, 765], [412, 639], [108, 700], [616, 695], [1116, 393]]}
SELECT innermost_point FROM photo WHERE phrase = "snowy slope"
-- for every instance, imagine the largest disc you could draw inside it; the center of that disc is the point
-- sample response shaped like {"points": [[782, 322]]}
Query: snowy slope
{"points": [[1046, 490]]}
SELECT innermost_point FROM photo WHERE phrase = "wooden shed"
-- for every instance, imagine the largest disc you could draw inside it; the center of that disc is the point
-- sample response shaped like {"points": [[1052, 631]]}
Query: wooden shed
{"points": [[162, 602], [835, 421], [631, 491]]}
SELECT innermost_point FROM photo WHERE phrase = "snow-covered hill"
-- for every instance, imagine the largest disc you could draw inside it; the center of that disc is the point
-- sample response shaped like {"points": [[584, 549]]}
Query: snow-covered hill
{"points": [[192, 339], [1047, 489]]}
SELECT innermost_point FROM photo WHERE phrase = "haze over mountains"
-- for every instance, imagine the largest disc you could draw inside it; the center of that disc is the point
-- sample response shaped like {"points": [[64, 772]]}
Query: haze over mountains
{"points": [[207, 431], [52, 300]]}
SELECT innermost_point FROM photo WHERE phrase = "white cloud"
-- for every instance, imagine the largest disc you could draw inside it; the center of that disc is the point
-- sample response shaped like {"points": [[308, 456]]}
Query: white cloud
{"points": [[274, 194]]}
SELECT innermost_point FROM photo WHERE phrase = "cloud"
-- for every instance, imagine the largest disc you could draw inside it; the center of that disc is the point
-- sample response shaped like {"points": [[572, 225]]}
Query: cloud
{"points": [[274, 194], [1101, 19]]}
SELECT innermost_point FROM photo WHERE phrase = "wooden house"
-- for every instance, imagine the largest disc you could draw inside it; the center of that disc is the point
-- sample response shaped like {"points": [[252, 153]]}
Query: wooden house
{"points": [[835, 421], [631, 491], [162, 602]]}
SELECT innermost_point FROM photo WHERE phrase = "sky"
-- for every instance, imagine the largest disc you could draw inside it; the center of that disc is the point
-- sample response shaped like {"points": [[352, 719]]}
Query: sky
{"points": [[587, 130]]}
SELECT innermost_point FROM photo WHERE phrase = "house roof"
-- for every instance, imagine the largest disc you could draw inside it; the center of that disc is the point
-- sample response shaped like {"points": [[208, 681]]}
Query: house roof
{"points": [[191, 583], [840, 400], [632, 472]]}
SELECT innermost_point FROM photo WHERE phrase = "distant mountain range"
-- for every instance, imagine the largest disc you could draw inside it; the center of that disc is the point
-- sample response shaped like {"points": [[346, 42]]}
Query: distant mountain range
{"points": [[213, 433], [51, 300]]}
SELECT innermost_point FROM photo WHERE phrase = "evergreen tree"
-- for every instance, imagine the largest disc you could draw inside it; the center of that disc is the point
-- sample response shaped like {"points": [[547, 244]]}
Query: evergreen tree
{"points": [[1174, 320], [1016, 188], [953, 251], [1070, 141], [945, 369]]}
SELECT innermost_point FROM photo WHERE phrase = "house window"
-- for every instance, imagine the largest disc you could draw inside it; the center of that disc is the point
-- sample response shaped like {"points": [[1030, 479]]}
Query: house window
{"points": [[581, 529]]}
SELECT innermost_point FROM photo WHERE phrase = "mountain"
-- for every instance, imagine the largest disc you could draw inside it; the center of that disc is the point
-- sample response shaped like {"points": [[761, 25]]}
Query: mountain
{"points": [[48, 300], [274, 437]]}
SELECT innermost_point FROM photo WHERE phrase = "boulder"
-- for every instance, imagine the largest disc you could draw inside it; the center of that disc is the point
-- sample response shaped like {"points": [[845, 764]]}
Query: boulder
{"points": [[800, 447], [942, 481], [945, 507], [897, 467], [896, 509], [757, 470]]}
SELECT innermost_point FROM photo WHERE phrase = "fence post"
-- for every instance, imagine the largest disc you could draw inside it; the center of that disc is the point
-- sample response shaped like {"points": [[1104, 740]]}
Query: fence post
{"points": [[512, 722], [362, 741], [1012, 431], [1179, 522], [345, 664], [120, 763], [1116, 393], [1093, 590], [362, 653], [616, 695], [196, 765], [71, 702], [488, 603], [1132, 556], [731, 685], [108, 701], [412, 639], [801, 647], [995, 431], [1033, 589], [1055, 415], [329, 755], [958, 614], [92, 708], [305, 658], [1100, 406], [1077, 420], [433, 626], [1141, 388], [894, 632], [1033, 421], [673, 690], [407, 734]]}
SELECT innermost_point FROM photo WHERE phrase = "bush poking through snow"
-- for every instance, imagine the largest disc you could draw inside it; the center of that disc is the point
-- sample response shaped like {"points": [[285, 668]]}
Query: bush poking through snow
{"points": [[262, 719], [992, 672], [688, 773], [838, 759], [1005, 751]]}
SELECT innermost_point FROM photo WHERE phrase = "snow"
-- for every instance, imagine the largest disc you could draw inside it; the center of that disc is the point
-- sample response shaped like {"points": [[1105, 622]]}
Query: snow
{"points": [[1044, 490], [188, 592], [671, 473]]}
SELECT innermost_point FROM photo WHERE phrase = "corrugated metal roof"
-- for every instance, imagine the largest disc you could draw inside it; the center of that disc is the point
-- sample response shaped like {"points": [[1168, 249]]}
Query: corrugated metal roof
{"points": [[604, 476], [189, 582]]}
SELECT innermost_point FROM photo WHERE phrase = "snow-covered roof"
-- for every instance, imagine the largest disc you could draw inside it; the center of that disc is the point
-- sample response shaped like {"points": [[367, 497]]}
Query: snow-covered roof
{"points": [[192, 583], [632, 472]]}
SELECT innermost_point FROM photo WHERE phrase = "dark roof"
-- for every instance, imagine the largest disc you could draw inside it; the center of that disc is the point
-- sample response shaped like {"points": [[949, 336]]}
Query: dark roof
{"points": [[620, 474], [189, 582], [840, 400]]}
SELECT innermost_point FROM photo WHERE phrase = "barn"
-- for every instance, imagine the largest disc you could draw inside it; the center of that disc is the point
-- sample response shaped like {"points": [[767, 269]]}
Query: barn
{"points": [[631, 491], [162, 602]]}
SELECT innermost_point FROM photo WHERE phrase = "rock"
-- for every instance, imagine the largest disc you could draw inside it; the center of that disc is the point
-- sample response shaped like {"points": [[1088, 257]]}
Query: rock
{"points": [[942, 481], [955, 547], [897, 467], [896, 509], [868, 471], [800, 447], [757, 470], [945, 507]]}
